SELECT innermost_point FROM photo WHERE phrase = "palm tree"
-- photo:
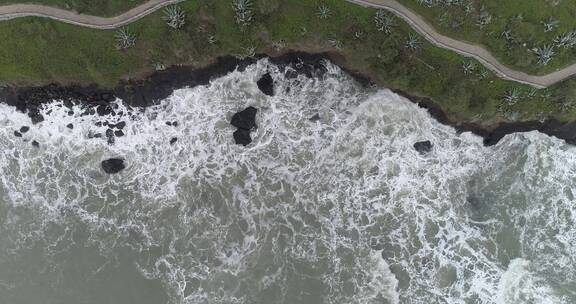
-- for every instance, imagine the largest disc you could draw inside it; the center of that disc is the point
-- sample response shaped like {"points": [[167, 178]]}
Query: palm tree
{"points": [[384, 21], [124, 38], [242, 11], [413, 43], [468, 67], [550, 24], [511, 96], [544, 54], [566, 40], [324, 11], [174, 16]]}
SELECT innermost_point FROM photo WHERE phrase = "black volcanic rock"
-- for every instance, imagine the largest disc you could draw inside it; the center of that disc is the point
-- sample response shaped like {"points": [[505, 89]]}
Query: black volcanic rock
{"points": [[103, 110], [24, 129], [113, 165], [110, 136], [242, 137], [119, 133], [245, 119], [70, 126], [423, 147], [17, 134], [120, 125], [266, 84], [173, 140]]}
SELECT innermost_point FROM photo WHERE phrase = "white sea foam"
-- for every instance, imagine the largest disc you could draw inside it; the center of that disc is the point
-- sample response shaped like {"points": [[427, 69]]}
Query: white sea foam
{"points": [[342, 210]]}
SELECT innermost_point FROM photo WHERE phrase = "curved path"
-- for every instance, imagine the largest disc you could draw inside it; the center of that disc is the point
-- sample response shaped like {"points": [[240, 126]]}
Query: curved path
{"points": [[27, 10], [416, 21]]}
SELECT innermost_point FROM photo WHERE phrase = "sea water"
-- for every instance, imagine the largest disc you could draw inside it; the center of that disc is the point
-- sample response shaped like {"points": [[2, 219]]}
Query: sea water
{"points": [[339, 210]]}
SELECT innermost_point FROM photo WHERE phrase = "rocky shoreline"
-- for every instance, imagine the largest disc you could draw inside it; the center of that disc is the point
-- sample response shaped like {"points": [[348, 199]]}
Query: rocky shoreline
{"points": [[159, 85]]}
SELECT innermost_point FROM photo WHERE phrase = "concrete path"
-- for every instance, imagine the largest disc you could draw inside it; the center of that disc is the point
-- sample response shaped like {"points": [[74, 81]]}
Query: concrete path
{"points": [[416, 21], [26, 10]]}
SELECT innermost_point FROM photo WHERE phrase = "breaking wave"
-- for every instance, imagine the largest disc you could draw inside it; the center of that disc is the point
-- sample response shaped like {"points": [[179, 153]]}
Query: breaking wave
{"points": [[339, 210]]}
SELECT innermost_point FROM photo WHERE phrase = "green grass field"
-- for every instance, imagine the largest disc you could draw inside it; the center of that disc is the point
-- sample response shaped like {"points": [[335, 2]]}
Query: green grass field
{"points": [[91, 7], [510, 29], [39, 51]]}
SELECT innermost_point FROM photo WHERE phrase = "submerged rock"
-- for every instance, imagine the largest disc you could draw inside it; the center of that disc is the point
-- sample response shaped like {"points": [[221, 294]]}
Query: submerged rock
{"points": [[242, 137], [120, 125], [245, 119], [24, 129], [266, 84], [315, 118], [423, 147], [113, 165], [103, 110]]}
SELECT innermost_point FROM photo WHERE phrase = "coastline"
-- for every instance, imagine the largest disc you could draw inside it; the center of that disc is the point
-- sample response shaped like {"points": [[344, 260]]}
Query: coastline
{"points": [[158, 85]]}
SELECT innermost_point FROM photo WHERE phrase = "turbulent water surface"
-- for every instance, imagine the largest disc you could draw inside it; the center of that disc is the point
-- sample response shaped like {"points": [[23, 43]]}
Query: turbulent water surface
{"points": [[340, 210]]}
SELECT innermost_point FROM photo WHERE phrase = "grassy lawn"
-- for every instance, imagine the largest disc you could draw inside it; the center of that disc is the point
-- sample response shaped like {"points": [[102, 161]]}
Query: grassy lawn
{"points": [[39, 51], [91, 7], [510, 29]]}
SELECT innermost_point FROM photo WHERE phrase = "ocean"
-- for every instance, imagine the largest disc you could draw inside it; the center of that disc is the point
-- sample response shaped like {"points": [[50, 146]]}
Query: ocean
{"points": [[337, 210]]}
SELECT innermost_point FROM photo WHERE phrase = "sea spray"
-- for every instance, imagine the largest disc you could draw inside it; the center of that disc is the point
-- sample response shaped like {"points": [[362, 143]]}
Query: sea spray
{"points": [[341, 209]]}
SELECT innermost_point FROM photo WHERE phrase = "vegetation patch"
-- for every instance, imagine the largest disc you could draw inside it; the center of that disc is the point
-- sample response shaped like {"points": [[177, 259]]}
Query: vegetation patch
{"points": [[374, 42]]}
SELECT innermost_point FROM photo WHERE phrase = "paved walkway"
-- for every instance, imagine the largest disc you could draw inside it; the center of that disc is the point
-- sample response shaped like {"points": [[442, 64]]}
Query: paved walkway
{"points": [[26, 10], [416, 21]]}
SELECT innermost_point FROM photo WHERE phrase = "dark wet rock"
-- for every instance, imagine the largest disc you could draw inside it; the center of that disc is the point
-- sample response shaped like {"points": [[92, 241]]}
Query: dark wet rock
{"points": [[70, 126], [110, 136], [17, 134], [315, 118], [70, 113], [103, 110], [423, 147], [242, 137], [35, 144], [94, 135], [245, 119], [24, 129], [113, 165], [106, 124], [174, 123], [120, 125], [98, 123], [109, 133], [118, 133], [266, 84], [36, 117], [173, 140], [169, 123]]}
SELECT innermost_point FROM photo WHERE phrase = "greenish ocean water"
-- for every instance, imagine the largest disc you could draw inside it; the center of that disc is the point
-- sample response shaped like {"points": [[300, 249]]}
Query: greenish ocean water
{"points": [[340, 210]]}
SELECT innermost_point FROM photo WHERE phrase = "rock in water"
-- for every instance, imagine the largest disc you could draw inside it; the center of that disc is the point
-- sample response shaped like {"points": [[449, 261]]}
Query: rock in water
{"points": [[24, 129], [245, 119], [266, 84], [113, 165], [423, 146], [173, 140], [242, 137], [315, 118]]}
